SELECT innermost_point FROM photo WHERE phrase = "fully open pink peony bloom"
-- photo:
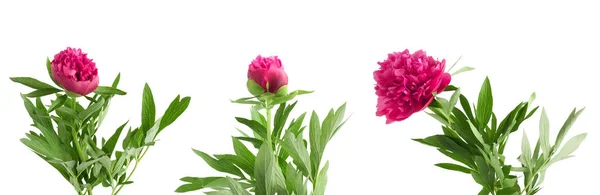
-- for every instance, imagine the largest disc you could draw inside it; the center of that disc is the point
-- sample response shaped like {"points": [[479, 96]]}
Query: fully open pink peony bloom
{"points": [[74, 71], [265, 70], [406, 82]]}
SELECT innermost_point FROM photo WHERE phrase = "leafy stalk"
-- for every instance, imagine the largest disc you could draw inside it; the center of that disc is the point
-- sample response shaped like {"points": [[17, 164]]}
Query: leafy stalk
{"points": [[476, 140], [283, 162], [68, 141]]}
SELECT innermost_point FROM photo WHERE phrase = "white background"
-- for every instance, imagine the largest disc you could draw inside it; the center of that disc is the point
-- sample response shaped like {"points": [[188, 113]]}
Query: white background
{"points": [[203, 49]]}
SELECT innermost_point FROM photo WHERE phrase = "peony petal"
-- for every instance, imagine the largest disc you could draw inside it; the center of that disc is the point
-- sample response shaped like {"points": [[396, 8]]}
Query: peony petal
{"points": [[276, 78]]}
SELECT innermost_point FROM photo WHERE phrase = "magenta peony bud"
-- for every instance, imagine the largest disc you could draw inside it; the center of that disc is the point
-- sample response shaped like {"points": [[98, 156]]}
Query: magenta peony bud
{"points": [[406, 83], [268, 73], [74, 71]]}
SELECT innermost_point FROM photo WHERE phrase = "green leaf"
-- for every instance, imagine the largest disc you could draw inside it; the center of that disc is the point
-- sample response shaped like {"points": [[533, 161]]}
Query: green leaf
{"points": [[148, 108], [466, 107], [220, 192], [545, 134], [257, 116], [43, 92], [484, 104], [219, 165], [484, 191], [269, 178], [569, 147], [109, 146], [295, 181], [244, 164], [450, 88], [31, 82], [525, 150], [255, 142], [451, 67], [321, 180], [453, 101], [454, 167], [49, 68], [440, 118], [81, 167], [316, 151], [509, 191], [116, 81], [283, 99], [60, 100], [281, 117], [339, 119], [195, 183], [303, 92], [448, 147], [463, 69], [105, 90], [236, 188], [175, 109], [246, 100], [93, 109], [254, 125], [566, 126], [295, 147], [242, 151]]}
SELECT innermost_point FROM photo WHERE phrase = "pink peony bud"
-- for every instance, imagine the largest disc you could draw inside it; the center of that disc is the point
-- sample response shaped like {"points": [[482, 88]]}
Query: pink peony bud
{"points": [[406, 83], [267, 71], [74, 71]]}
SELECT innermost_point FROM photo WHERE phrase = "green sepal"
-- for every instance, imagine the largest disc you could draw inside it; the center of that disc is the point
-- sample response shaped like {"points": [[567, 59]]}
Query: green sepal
{"points": [[254, 88]]}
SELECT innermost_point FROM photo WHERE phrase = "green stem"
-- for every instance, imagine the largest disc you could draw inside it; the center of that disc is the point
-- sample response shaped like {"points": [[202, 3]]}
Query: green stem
{"points": [[137, 161], [269, 121], [77, 146], [74, 134], [90, 191]]}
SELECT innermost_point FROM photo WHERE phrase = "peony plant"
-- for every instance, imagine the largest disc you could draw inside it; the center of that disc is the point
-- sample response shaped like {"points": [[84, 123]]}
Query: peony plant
{"points": [[68, 123], [280, 160], [472, 134]]}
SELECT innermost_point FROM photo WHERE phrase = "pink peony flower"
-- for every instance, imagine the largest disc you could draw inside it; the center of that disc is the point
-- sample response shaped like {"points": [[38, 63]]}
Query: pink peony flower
{"points": [[406, 82], [269, 70], [74, 71]]}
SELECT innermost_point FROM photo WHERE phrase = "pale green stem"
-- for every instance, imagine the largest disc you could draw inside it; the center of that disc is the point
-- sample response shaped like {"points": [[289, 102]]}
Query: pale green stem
{"points": [[74, 134], [269, 121], [137, 161]]}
